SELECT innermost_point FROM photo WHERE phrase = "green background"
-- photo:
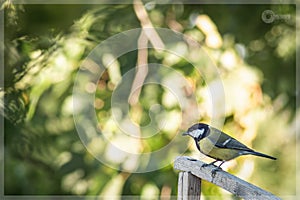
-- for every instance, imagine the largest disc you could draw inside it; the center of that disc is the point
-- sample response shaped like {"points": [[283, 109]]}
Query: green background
{"points": [[43, 153]]}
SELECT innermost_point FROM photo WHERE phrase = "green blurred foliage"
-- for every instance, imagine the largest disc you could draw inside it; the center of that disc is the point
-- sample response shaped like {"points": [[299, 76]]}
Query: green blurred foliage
{"points": [[45, 45]]}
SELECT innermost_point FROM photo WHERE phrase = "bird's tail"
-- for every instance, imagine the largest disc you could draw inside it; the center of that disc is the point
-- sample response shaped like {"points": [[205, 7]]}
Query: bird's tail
{"points": [[261, 155]]}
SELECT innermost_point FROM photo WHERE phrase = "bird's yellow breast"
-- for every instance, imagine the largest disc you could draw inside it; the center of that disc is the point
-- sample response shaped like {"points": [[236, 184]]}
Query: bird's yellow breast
{"points": [[208, 148]]}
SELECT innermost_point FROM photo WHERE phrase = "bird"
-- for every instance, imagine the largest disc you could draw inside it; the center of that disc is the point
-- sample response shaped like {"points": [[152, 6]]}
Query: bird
{"points": [[218, 145]]}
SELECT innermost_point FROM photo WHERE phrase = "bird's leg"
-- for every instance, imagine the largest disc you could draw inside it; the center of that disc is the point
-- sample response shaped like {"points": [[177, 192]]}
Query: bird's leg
{"points": [[212, 163], [221, 164], [218, 168]]}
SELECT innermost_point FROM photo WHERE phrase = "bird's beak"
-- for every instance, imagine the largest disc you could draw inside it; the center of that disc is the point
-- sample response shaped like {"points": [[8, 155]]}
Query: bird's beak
{"points": [[185, 133]]}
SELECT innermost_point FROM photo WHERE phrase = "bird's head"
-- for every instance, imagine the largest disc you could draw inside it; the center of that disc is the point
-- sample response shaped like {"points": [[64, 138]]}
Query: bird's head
{"points": [[197, 131]]}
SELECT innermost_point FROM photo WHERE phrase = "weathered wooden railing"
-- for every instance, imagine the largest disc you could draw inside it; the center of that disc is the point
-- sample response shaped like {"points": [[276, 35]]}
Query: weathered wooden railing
{"points": [[192, 172]]}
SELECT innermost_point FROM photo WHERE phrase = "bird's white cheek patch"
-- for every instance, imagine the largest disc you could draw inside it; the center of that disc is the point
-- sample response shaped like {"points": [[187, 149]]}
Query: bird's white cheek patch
{"points": [[198, 132]]}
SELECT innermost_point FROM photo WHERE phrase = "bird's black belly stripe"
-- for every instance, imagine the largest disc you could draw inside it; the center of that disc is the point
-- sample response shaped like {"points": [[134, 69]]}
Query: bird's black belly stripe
{"points": [[198, 147]]}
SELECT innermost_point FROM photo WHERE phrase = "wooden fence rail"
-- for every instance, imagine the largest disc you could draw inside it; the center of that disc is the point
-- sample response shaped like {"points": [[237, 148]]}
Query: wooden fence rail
{"points": [[192, 172]]}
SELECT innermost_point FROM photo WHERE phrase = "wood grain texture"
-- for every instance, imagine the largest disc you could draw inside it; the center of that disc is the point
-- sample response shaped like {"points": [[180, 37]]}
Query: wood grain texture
{"points": [[189, 186], [222, 179]]}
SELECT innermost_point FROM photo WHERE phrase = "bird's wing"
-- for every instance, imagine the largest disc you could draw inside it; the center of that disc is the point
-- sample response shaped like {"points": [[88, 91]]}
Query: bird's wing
{"points": [[222, 140]]}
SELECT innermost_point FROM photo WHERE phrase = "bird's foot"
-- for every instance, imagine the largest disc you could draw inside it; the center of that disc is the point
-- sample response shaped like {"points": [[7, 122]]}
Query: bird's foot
{"points": [[208, 164], [215, 170], [218, 168]]}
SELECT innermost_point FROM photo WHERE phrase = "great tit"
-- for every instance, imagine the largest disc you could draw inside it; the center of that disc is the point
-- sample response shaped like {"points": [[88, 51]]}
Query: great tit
{"points": [[218, 145]]}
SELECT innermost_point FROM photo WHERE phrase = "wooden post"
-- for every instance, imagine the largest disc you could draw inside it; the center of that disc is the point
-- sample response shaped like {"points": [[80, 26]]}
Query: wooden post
{"points": [[191, 170], [189, 186]]}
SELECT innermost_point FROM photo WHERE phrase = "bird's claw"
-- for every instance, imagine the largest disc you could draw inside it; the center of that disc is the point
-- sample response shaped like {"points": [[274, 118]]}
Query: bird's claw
{"points": [[214, 171], [208, 164], [205, 165]]}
